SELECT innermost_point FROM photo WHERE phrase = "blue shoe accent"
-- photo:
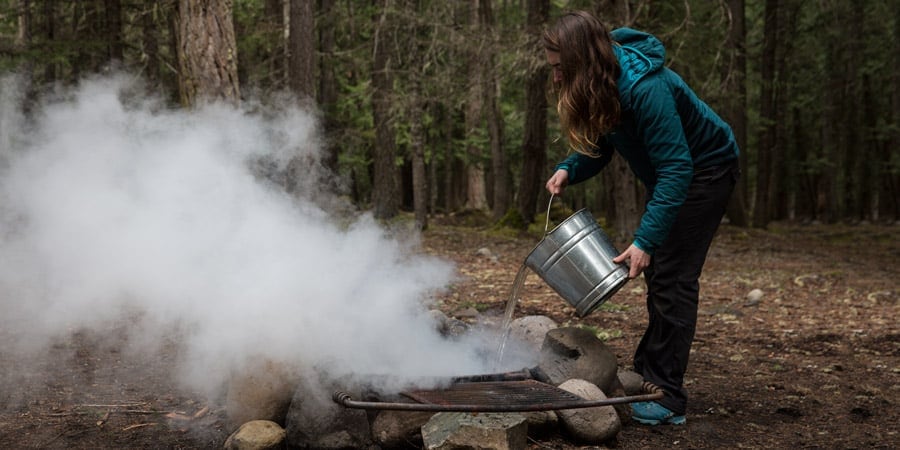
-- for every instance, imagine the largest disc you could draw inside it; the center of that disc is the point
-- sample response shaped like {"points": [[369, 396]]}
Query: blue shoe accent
{"points": [[652, 413]]}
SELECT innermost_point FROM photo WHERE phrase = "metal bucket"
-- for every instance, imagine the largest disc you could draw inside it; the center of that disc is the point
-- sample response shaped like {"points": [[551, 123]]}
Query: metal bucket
{"points": [[575, 259]]}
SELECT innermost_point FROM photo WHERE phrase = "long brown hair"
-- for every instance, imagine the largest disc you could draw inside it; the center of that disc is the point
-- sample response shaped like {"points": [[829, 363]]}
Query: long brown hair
{"points": [[588, 102]]}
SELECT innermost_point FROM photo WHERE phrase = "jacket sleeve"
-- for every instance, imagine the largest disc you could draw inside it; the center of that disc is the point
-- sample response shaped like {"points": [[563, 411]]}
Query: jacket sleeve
{"points": [[662, 136], [582, 167]]}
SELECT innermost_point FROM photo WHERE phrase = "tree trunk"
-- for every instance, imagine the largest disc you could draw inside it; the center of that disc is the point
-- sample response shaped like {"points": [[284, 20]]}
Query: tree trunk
{"points": [[301, 49], [113, 25], [150, 36], [534, 142], [830, 191], [328, 91], [207, 52], [736, 112], [762, 208], [50, 34], [385, 189], [618, 180], [23, 34], [500, 188], [628, 206], [419, 178], [476, 197], [859, 151], [891, 189], [782, 179]]}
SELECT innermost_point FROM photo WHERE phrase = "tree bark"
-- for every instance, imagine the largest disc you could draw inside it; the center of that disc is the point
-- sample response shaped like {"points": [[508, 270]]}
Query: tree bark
{"points": [[50, 34], [534, 142], [476, 196], [207, 52], [301, 49], [385, 175], [500, 187], [891, 189], [736, 112], [419, 178], [113, 25], [628, 206], [782, 179], [150, 37], [767, 138], [328, 91], [618, 180]]}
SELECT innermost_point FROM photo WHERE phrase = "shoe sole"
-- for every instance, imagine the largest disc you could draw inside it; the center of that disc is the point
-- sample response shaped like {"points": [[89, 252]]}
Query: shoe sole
{"points": [[677, 420]]}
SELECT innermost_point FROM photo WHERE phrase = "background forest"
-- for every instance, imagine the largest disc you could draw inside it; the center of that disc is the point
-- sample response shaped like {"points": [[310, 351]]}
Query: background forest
{"points": [[443, 106]]}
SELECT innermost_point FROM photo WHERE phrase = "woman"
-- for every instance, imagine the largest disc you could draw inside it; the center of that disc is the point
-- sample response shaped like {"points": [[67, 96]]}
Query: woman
{"points": [[616, 95]]}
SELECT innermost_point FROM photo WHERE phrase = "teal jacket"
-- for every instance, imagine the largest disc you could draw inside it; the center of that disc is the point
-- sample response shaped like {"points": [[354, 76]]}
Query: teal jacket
{"points": [[666, 133]]}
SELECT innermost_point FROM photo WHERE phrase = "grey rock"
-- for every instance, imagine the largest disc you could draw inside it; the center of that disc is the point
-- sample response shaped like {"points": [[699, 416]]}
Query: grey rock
{"points": [[262, 391], [589, 425], [572, 352], [631, 381], [446, 326], [458, 431], [541, 423], [531, 330], [392, 429]]}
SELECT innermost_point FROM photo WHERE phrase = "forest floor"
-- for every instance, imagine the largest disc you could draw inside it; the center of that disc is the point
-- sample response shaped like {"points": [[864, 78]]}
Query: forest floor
{"points": [[814, 363]]}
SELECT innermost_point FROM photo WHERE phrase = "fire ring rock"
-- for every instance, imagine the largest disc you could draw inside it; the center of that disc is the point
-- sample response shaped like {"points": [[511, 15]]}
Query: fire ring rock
{"points": [[572, 352], [589, 425], [532, 330], [256, 435], [453, 430], [394, 429]]}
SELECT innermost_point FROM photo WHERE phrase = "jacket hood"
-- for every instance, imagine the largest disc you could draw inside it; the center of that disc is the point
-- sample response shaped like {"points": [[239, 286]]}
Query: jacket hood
{"points": [[639, 53]]}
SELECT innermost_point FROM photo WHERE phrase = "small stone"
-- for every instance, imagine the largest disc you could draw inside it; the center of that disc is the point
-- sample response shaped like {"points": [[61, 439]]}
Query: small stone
{"points": [[485, 253], [754, 296]]}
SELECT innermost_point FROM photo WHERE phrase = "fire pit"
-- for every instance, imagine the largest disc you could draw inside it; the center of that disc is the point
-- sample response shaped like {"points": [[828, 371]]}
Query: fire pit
{"points": [[508, 392]]}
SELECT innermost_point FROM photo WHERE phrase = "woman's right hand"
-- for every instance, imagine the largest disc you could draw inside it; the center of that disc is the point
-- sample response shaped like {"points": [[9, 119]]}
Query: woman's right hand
{"points": [[558, 182]]}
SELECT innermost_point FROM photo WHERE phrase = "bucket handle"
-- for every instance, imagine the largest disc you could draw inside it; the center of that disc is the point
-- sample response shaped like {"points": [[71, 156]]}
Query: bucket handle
{"points": [[547, 223]]}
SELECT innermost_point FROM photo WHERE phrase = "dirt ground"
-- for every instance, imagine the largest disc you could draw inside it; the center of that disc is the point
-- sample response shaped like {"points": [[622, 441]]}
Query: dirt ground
{"points": [[813, 363]]}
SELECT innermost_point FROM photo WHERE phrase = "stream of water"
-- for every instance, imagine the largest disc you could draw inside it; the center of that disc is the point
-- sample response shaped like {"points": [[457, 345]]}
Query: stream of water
{"points": [[508, 313]]}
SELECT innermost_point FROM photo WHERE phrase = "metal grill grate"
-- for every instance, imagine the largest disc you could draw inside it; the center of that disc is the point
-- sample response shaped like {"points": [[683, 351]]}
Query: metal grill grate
{"points": [[510, 393], [495, 396]]}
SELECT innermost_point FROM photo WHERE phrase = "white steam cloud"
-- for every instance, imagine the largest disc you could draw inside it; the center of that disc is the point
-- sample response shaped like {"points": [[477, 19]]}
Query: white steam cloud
{"points": [[115, 209]]}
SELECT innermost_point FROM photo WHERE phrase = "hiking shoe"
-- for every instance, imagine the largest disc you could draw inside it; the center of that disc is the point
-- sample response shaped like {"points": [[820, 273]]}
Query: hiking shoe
{"points": [[652, 413]]}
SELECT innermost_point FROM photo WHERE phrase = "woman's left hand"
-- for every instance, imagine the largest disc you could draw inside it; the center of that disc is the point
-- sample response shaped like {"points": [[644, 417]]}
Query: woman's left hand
{"points": [[638, 260]]}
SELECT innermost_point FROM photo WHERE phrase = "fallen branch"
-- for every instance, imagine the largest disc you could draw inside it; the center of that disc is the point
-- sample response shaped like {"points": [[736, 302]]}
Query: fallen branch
{"points": [[139, 425], [120, 405]]}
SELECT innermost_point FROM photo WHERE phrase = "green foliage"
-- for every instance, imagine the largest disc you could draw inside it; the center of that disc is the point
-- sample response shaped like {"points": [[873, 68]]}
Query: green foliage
{"points": [[512, 219], [604, 334], [836, 80], [477, 306]]}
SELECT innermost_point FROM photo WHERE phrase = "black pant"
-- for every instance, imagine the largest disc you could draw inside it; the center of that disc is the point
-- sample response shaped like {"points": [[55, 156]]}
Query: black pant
{"points": [[673, 289]]}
